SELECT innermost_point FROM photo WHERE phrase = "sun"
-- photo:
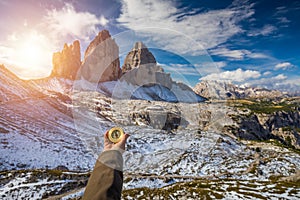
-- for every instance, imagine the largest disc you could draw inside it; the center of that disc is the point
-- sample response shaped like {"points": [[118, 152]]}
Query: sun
{"points": [[33, 52], [30, 53]]}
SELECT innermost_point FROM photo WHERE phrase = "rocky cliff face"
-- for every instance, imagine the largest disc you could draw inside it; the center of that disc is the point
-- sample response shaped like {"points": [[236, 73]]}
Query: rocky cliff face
{"points": [[139, 55], [101, 59], [67, 62], [261, 121], [140, 68], [225, 90]]}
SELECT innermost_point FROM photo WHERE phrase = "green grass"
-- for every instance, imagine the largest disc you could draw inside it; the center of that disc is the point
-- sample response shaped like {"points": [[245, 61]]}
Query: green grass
{"points": [[279, 144], [263, 107]]}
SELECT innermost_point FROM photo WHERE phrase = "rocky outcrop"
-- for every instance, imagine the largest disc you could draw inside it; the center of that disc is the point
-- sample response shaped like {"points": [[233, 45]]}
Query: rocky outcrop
{"points": [[138, 56], [101, 60], [216, 90], [140, 68], [159, 118], [101, 37], [282, 125], [67, 62], [142, 78], [226, 90]]}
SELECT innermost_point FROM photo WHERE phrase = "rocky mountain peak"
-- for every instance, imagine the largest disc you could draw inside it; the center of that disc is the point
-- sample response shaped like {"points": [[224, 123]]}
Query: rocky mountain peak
{"points": [[102, 36], [149, 80], [139, 55], [67, 62], [101, 60], [140, 45]]}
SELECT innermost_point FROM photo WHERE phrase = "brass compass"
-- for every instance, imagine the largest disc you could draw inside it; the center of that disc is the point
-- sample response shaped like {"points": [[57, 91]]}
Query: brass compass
{"points": [[115, 134]]}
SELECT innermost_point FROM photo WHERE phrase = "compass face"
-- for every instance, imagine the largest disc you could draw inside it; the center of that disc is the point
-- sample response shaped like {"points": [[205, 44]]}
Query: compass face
{"points": [[116, 134]]}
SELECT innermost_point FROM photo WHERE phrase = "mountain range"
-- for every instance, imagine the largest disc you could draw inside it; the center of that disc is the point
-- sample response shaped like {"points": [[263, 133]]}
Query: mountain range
{"points": [[244, 140]]}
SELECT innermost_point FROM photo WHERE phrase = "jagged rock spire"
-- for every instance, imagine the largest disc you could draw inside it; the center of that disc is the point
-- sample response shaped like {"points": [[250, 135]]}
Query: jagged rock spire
{"points": [[101, 59], [67, 62], [139, 55]]}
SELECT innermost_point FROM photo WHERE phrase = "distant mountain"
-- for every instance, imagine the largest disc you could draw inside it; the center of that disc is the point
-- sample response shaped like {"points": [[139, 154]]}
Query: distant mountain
{"points": [[225, 90]]}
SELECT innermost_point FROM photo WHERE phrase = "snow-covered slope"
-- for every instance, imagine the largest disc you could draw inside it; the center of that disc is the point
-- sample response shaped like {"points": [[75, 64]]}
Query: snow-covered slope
{"points": [[40, 134], [37, 130], [51, 84], [154, 92], [13, 88], [51, 131], [226, 90]]}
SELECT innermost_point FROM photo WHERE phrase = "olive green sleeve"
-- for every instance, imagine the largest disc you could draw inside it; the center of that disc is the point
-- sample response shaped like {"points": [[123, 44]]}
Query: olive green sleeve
{"points": [[106, 180]]}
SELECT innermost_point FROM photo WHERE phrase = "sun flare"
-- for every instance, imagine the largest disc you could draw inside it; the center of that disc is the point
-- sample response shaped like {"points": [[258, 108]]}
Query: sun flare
{"points": [[30, 53], [33, 51]]}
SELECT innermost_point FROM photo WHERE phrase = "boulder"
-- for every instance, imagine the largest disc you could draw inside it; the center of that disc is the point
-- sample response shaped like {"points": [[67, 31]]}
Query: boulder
{"points": [[159, 118]]}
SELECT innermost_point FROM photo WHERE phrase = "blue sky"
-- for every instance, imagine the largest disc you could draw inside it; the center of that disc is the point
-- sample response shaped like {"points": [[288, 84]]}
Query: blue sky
{"points": [[245, 42]]}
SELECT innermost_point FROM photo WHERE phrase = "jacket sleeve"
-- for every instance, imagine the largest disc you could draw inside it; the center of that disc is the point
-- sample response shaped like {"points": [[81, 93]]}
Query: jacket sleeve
{"points": [[106, 180]]}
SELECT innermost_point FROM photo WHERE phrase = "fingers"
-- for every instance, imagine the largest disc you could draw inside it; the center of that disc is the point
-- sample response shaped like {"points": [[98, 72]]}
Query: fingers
{"points": [[106, 140]]}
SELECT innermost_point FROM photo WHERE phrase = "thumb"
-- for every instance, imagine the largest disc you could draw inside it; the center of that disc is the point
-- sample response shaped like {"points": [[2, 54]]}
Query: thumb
{"points": [[126, 136]]}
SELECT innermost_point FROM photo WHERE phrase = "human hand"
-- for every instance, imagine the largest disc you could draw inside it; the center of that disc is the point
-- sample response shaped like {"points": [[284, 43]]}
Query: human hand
{"points": [[108, 145]]}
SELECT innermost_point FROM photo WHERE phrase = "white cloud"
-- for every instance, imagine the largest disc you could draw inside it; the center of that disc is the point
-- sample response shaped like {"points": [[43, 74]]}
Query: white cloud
{"points": [[266, 30], [195, 70], [283, 66], [231, 54], [208, 29], [239, 54], [281, 10], [280, 77], [267, 73], [28, 52], [219, 64], [238, 75], [278, 82], [257, 55], [183, 69], [206, 68], [283, 20], [68, 21]]}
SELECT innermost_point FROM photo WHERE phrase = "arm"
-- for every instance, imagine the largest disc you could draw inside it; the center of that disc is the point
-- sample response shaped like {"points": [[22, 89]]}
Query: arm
{"points": [[106, 180]]}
